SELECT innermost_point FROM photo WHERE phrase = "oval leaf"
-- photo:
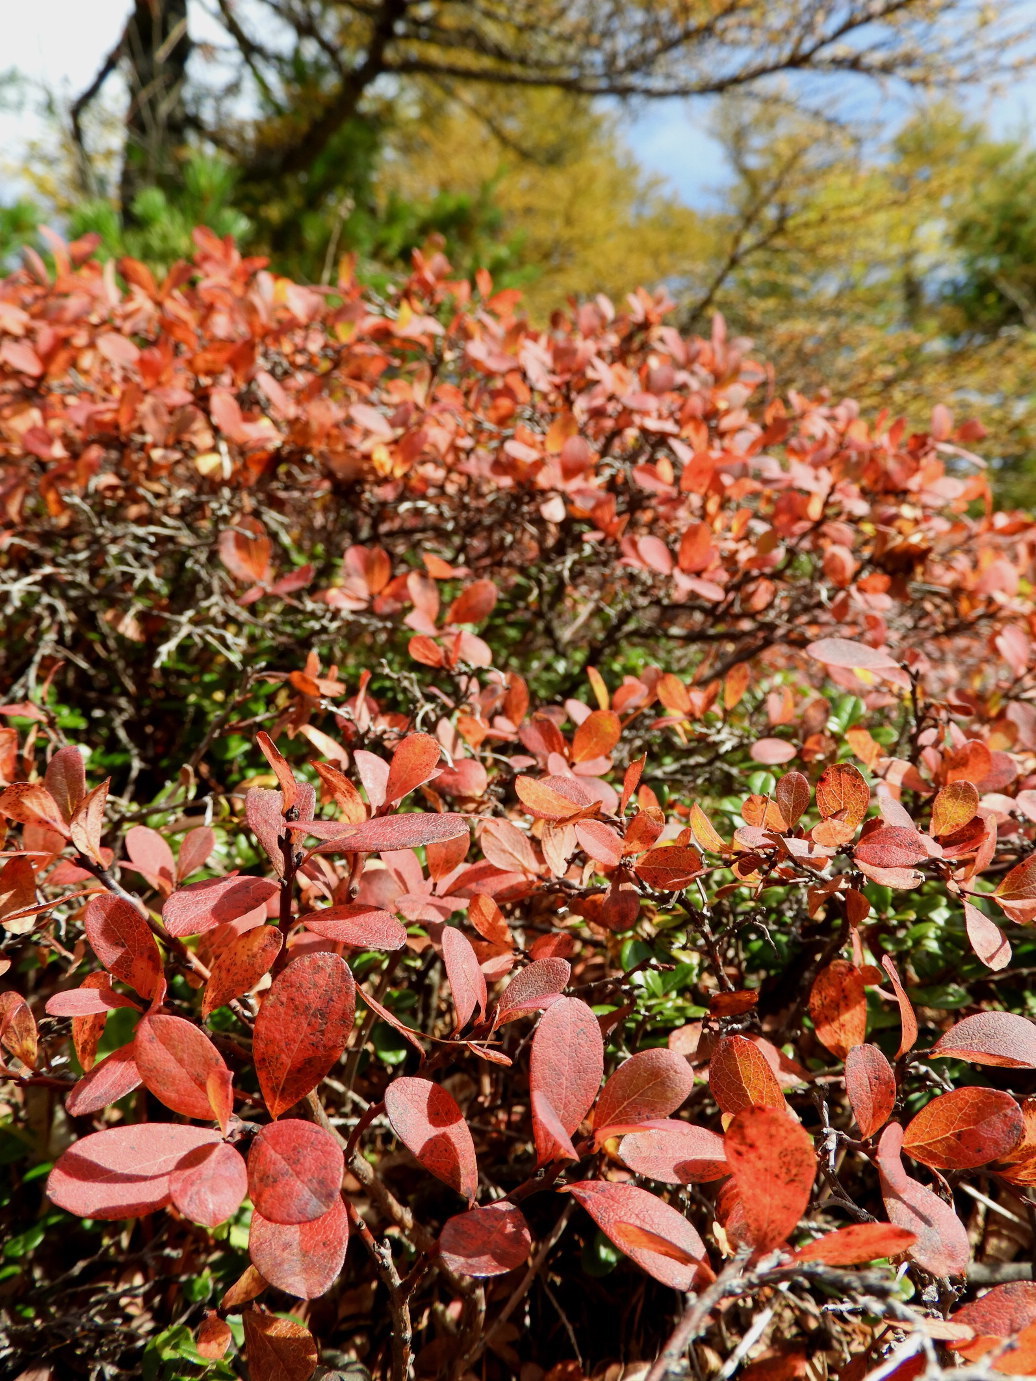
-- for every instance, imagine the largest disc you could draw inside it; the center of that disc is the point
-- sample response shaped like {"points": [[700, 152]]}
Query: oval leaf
{"points": [[431, 1126], [302, 1028], [773, 1165], [488, 1241]]}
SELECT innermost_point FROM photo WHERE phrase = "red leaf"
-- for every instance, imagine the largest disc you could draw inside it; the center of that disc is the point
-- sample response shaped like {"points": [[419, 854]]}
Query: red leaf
{"points": [[195, 849], [245, 549], [122, 941], [264, 811], [213, 1337], [1001, 1313], [18, 1028], [891, 846], [358, 925], [843, 793], [32, 804], [650, 1084], [294, 1171], [302, 1028], [87, 1001], [124, 1171], [1018, 885], [279, 1349], [209, 1185], [566, 1066], [841, 652], [302, 1259], [552, 1141], [870, 1083], [792, 796], [740, 1077], [614, 1206], [670, 867], [429, 1123], [838, 1006], [176, 1060], [907, 1018], [65, 779], [773, 1165], [991, 1038], [598, 734], [942, 1241], [106, 1083], [771, 752], [488, 920], [533, 988], [488, 1241], [466, 979], [151, 856], [986, 938], [201, 906], [239, 967], [391, 832], [474, 604], [414, 762], [861, 1242], [553, 798], [965, 1128], [87, 824], [675, 1153]]}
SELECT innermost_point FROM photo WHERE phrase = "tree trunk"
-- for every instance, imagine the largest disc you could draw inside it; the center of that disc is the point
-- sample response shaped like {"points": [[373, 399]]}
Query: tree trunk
{"points": [[156, 47]]}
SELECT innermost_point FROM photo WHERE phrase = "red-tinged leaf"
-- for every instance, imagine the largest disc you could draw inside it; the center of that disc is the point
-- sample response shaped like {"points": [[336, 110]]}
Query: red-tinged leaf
{"points": [[841, 652], [426, 651], [239, 967], [870, 1083], [407, 1032], [264, 811], [507, 848], [771, 752], [615, 1207], [675, 1153], [792, 795], [533, 988], [629, 1237], [32, 804], [842, 792], [151, 856], [213, 1337], [18, 1028], [487, 1241], [740, 1077], [302, 1259], [465, 976], [942, 1246], [991, 1038], [552, 1141], [631, 779], [124, 1171], [1018, 885], [175, 1060], [474, 604], [650, 1084], [87, 1031], [17, 892], [954, 806], [705, 834], [429, 1123], [414, 762], [295, 1171], [838, 1006], [358, 925], [598, 734], [65, 779], [201, 906], [773, 1165], [861, 1242], [195, 849], [553, 798], [209, 1185], [566, 1065], [891, 846], [600, 842], [907, 1018], [122, 941], [394, 832], [87, 1001], [988, 941], [488, 920], [87, 823], [1001, 1313], [279, 1349], [442, 859], [106, 1083], [273, 755], [965, 1128], [670, 867], [302, 1028]]}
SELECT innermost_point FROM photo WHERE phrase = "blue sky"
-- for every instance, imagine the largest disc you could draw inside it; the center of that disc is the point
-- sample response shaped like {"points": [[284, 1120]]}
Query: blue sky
{"points": [[62, 42]]}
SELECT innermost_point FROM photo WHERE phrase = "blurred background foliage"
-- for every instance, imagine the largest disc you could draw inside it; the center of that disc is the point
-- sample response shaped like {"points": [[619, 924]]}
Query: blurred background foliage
{"points": [[876, 248]]}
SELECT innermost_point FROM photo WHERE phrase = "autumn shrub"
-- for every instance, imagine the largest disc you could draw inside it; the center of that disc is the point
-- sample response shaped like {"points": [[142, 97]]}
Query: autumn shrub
{"points": [[519, 846]]}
